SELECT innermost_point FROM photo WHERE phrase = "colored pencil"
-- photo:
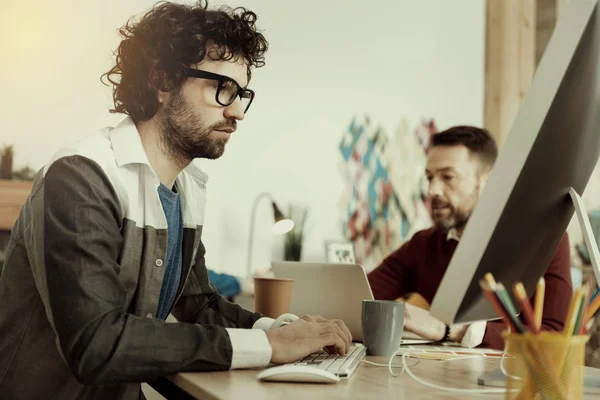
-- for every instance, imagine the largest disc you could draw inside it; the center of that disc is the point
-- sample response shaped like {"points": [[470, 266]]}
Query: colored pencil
{"points": [[490, 295], [586, 302], [591, 310], [540, 292], [521, 295], [489, 278], [541, 367], [594, 295], [510, 308], [574, 309]]}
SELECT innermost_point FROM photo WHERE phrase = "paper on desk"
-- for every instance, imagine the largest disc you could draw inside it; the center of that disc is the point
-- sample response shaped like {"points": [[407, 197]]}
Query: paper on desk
{"points": [[412, 338], [446, 353]]}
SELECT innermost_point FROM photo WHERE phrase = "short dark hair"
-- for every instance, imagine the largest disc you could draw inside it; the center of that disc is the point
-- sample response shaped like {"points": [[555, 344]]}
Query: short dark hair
{"points": [[478, 140], [156, 50]]}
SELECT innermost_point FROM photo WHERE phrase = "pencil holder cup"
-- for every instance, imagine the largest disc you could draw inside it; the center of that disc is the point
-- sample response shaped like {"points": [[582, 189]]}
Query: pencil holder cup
{"points": [[548, 365]]}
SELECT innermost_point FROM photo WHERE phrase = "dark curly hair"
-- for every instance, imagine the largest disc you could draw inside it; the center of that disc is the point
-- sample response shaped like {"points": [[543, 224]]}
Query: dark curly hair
{"points": [[478, 140], [155, 51]]}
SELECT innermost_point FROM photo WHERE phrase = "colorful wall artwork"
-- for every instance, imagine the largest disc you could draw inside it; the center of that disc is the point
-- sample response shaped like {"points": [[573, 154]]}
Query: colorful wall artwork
{"points": [[383, 203]]}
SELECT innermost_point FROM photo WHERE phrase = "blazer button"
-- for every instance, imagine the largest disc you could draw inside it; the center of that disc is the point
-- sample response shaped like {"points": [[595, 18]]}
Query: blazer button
{"points": [[149, 315], [158, 262]]}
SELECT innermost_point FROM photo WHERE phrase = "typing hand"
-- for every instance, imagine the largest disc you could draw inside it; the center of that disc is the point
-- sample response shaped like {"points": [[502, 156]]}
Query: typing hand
{"points": [[419, 321], [308, 335]]}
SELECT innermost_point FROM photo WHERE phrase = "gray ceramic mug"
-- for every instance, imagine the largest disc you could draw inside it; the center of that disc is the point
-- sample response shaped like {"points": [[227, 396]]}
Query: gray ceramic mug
{"points": [[382, 326]]}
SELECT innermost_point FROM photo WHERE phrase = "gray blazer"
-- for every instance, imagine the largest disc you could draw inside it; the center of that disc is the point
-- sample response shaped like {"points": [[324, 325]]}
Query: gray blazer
{"points": [[82, 278]]}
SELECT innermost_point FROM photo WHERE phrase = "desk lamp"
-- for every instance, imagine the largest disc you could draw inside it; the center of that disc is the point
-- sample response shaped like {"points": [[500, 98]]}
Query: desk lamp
{"points": [[281, 225]]}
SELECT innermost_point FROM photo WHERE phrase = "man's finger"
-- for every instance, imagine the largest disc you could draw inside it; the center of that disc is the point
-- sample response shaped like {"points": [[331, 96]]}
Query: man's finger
{"points": [[318, 318], [308, 318], [332, 328], [344, 329], [335, 340], [339, 322]]}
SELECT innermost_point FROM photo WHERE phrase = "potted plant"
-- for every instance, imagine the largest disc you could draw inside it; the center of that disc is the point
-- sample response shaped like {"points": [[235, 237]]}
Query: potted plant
{"points": [[294, 238]]}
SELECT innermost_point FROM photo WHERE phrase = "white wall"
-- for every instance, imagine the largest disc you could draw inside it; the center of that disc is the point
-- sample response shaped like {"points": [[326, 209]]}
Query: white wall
{"points": [[327, 61]]}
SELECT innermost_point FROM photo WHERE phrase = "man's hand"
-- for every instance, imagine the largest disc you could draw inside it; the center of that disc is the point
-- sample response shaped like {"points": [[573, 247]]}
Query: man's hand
{"points": [[308, 335], [419, 321]]}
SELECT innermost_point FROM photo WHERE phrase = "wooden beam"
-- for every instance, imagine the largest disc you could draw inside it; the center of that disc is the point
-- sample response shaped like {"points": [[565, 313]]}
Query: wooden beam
{"points": [[509, 61], [546, 15]]}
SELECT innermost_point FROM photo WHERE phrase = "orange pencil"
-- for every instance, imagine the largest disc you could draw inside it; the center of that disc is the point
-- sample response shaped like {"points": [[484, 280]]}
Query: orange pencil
{"points": [[521, 295], [586, 304], [489, 294]]}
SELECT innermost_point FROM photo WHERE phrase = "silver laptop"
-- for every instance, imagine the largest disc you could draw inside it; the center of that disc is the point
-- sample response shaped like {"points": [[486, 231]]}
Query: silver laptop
{"points": [[334, 291]]}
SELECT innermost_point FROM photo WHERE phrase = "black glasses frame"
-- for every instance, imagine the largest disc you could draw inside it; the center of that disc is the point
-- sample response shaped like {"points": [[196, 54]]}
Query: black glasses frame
{"points": [[221, 79]]}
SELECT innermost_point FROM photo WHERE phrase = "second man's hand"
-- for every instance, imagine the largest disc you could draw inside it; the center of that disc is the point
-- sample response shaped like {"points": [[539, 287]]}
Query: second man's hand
{"points": [[308, 335], [419, 321]]}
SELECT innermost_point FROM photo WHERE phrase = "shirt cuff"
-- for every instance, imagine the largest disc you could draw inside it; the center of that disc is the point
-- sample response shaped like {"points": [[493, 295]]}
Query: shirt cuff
{"points": [[474, 335], [250, 348], [263, 323]]}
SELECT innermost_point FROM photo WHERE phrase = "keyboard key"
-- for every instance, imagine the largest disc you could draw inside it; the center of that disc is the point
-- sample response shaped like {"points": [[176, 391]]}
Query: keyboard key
{"points": [[336, 364], [325, 364]]}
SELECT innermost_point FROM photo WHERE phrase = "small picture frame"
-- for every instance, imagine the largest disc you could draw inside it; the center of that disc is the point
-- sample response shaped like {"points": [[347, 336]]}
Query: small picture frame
{"points": [[338, 251]]}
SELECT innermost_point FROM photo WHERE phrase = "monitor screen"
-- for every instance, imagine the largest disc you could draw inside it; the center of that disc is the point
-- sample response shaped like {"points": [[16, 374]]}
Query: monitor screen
{"points": [[553, 146]]}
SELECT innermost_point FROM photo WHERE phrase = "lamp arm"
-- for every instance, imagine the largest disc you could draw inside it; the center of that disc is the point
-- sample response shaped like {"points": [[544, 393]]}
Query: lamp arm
{"points": [[251, 233]]}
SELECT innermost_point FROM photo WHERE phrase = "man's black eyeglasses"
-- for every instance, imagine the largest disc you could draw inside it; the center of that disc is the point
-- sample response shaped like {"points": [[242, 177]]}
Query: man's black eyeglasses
{"points": [[227, 90]]}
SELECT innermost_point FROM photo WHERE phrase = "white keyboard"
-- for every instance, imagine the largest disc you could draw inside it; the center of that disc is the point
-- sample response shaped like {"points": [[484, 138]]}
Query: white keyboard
{"points": [[342, 366]]}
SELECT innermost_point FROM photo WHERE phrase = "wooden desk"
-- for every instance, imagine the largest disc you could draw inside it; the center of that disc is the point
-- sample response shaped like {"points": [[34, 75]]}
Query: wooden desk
{"points": [[367, 382]]}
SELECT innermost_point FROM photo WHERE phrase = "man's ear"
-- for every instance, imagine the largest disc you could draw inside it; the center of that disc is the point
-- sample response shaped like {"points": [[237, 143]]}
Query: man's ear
{"points": [[483, 179], [161, 96], [157, 79]]}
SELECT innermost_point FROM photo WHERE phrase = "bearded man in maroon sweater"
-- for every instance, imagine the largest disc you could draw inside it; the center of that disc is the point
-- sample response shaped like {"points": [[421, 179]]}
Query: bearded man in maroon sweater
{"points": [[458, 166]]}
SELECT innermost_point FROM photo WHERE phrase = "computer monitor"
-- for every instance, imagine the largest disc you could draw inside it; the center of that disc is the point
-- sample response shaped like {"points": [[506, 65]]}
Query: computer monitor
{"points": [[553, 147]]}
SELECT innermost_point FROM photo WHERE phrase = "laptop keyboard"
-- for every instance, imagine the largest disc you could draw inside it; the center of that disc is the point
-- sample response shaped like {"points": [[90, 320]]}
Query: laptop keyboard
{"points": [[342, 366]]}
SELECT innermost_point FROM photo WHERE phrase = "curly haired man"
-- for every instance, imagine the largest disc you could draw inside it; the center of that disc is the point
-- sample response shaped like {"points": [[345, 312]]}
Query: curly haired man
{"points": [[109, 241]]}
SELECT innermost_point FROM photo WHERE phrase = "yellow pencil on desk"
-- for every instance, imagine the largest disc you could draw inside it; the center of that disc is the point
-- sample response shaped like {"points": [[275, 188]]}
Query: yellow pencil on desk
{"points": [[574, 309], [540, 292]]}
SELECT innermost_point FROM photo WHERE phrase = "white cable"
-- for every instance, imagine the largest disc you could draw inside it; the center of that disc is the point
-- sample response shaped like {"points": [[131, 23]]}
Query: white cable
{"points": [[406, 368], [381, 365], [449, 389], [390, 366], [503, 369]]}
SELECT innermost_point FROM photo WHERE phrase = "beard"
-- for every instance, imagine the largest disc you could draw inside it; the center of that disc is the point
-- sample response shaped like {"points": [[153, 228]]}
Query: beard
{"points": [[447, 216], [185, 136]]}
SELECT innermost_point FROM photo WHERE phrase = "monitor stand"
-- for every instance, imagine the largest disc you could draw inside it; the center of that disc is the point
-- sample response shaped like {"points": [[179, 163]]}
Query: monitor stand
{"points": [[591, 380]]}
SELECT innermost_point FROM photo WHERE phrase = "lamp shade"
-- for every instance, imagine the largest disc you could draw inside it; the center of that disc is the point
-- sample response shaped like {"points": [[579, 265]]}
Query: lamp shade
{"points": [[282, 225]]}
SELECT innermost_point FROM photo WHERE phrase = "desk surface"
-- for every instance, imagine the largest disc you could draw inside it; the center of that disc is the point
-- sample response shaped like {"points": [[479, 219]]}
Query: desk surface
{"points": [[367, 382]]}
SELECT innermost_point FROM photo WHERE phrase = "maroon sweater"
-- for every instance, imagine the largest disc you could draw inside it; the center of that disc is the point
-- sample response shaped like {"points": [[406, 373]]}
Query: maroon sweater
{"points": [[419, 265]]}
